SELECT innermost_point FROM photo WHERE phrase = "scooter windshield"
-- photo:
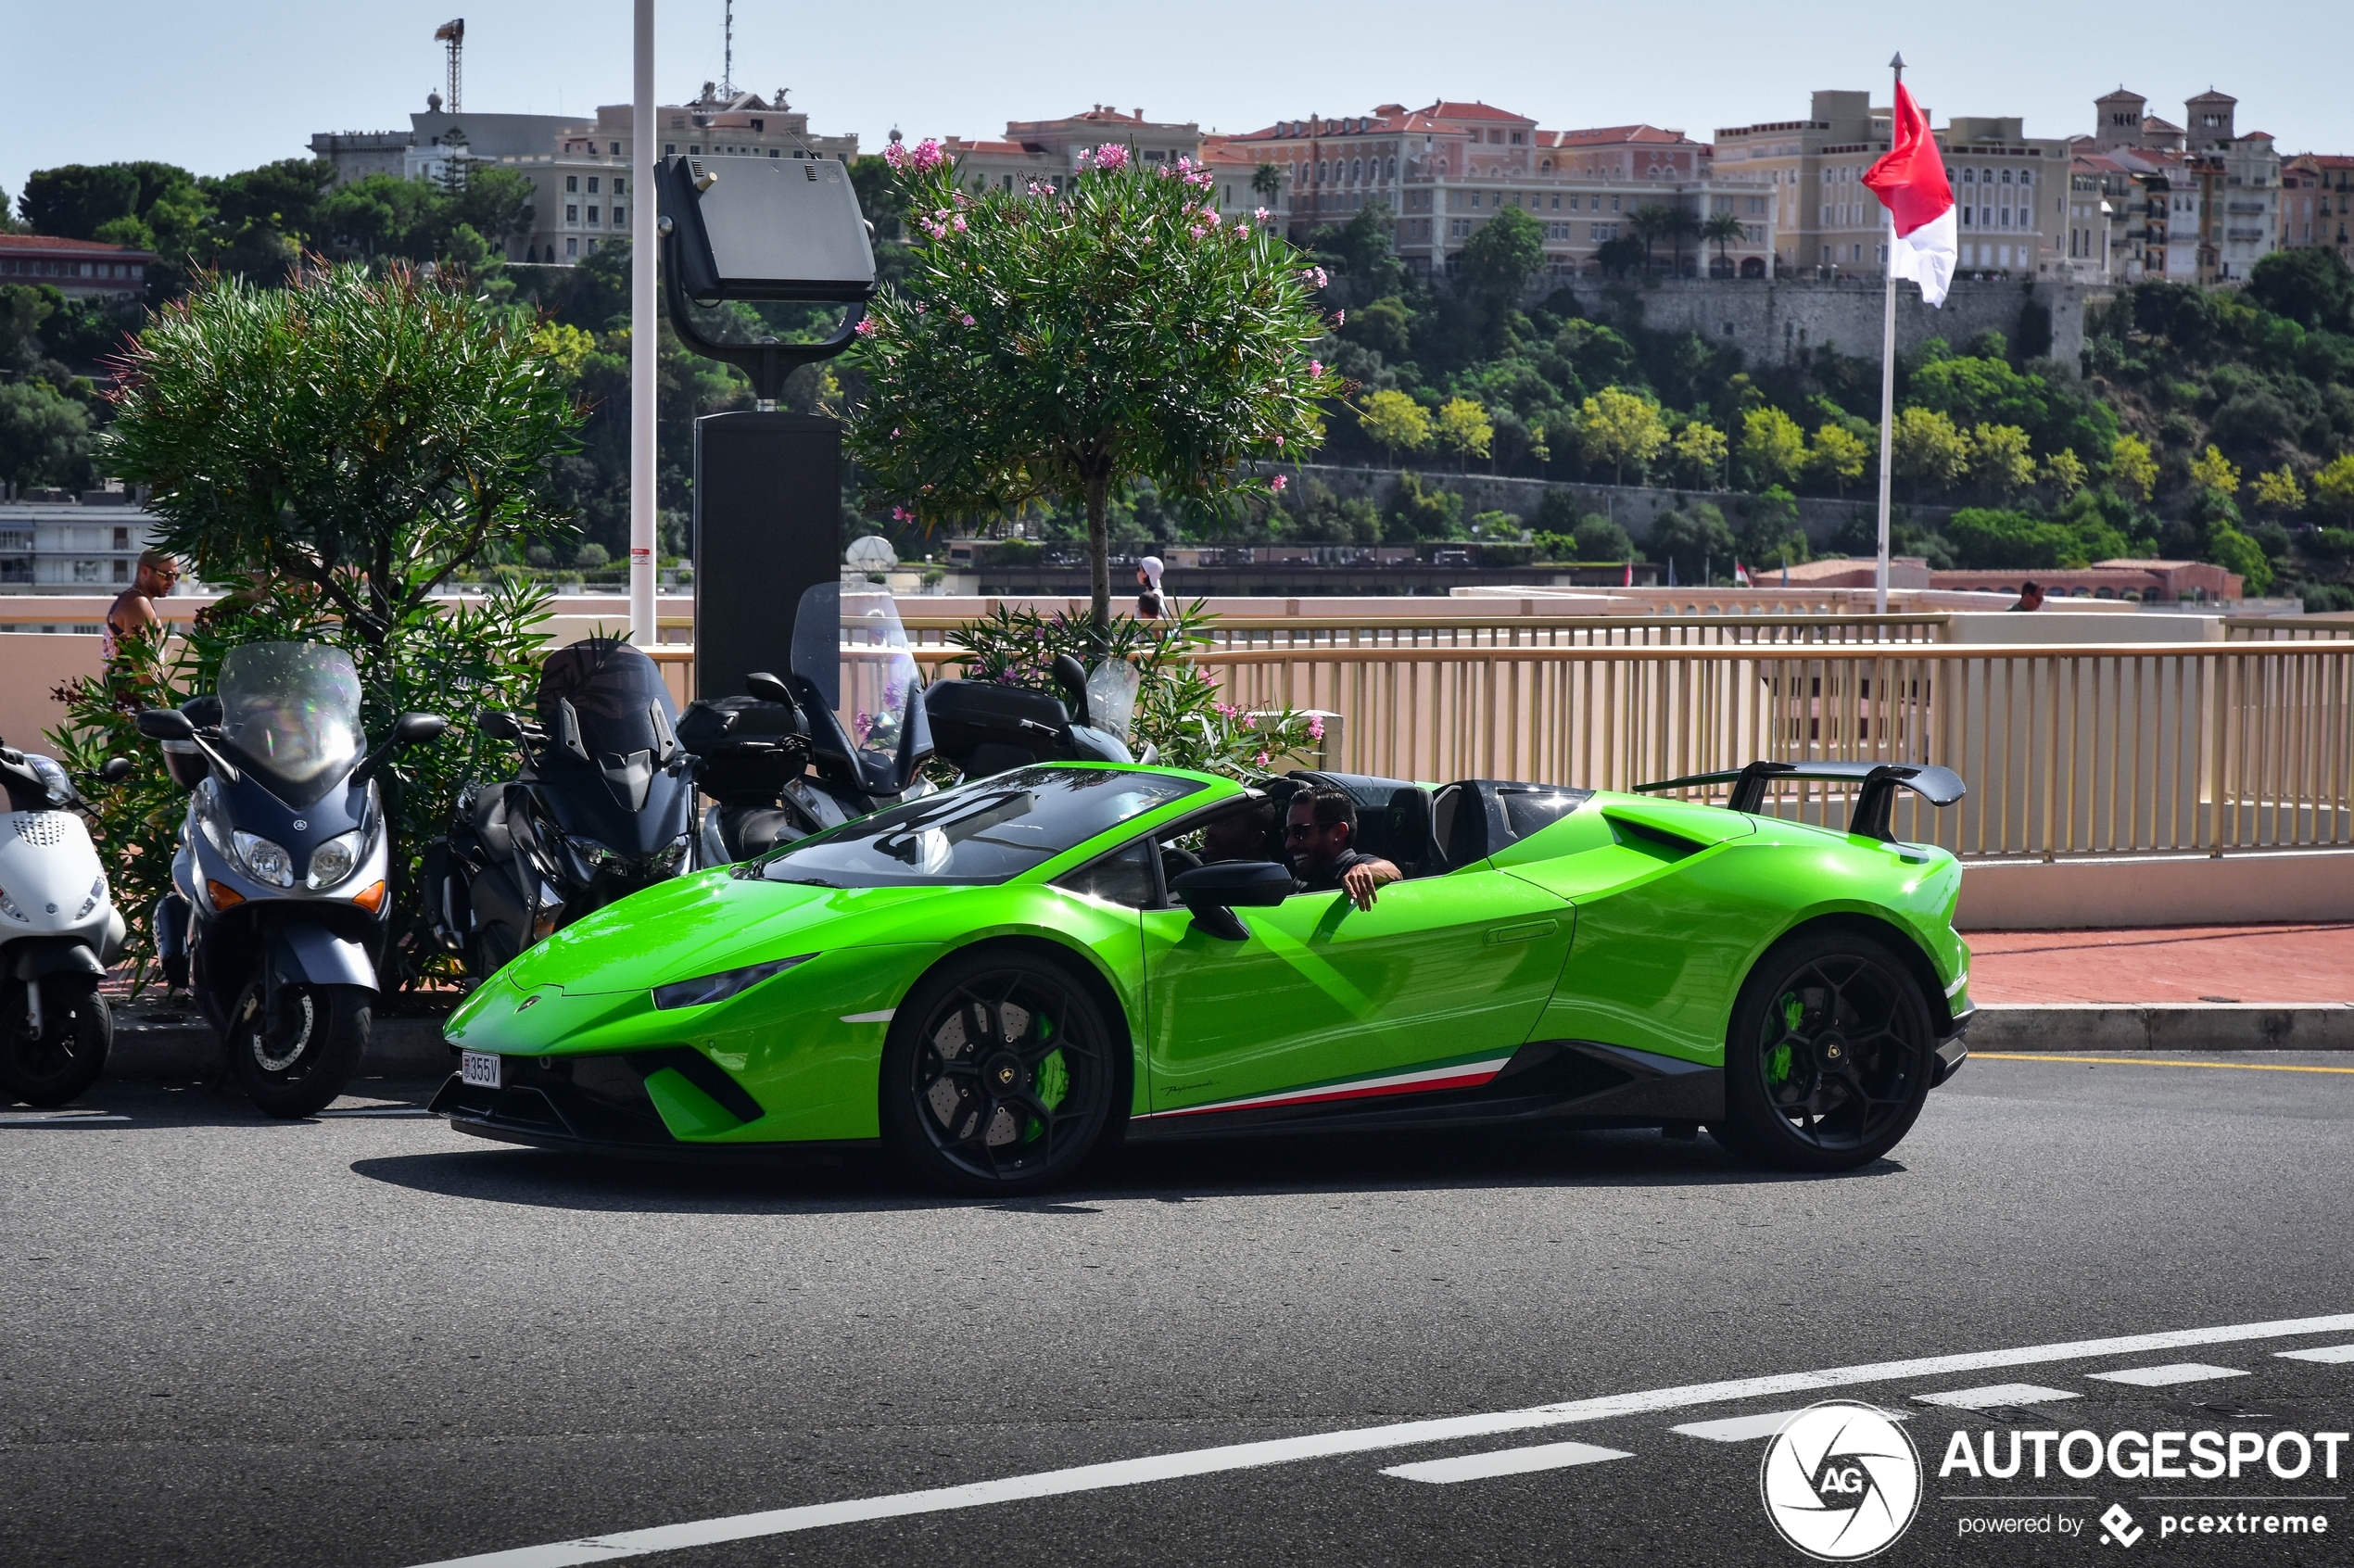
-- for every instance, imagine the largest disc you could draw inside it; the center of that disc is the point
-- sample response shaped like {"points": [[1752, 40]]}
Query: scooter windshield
{"points": [[615, 691], [850, 646], [292, 712]]}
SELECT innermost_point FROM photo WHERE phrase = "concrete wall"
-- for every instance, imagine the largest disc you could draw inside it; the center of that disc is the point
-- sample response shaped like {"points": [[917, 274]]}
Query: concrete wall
{"points": [[1772, 320], [2033, 895], [1632, 507]]}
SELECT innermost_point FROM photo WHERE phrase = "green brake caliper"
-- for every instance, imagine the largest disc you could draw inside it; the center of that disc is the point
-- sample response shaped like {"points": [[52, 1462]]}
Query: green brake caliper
{"points": [[1777, 1060], [1054, 1079]]}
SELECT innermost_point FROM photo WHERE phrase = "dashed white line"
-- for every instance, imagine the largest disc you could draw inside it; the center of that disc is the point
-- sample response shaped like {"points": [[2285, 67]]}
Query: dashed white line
{"points": [[1748, 1428], [1995, 1394], [1505, 1461], [1285, 1450], [378, 1110], [57, 1119], [2166, 1376], [2328, 1355]]}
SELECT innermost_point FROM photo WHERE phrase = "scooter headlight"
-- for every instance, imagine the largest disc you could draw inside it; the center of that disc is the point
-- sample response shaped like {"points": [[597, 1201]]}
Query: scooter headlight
{"points": [[210, 818], [663, 862], [97, 895], [595, 854], [8, 908], [265, 859], [334, 861]]}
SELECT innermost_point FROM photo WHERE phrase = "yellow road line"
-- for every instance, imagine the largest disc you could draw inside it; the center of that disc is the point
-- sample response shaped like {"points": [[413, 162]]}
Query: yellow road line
{"points": [[2139, 1061]]}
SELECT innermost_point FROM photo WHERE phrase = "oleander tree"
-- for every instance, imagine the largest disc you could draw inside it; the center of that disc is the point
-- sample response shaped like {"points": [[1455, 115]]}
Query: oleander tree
{"points": [[1063, 343]]}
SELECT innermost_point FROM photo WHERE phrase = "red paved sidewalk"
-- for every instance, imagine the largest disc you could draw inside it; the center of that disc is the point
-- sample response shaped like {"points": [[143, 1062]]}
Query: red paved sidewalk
{"points": [[2165, 964]]}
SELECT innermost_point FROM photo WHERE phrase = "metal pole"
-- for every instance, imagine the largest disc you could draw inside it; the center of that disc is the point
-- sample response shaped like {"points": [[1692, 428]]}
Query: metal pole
{"points": [[643, 329], [1887, 375]]}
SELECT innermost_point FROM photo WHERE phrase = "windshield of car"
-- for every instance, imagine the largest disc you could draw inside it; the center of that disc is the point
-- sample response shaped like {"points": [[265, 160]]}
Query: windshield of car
{"points": [[615, 690], [292, 711], [850, 645], [985, 833]]}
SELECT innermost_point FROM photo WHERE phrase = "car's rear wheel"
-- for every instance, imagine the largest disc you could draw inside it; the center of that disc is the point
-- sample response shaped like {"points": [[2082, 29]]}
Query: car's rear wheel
{"points": [[1830, 1055], [1000, 1076]]}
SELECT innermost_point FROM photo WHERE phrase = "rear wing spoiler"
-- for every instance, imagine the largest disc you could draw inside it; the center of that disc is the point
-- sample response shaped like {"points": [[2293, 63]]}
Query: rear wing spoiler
{"points": [[1875, 797]]}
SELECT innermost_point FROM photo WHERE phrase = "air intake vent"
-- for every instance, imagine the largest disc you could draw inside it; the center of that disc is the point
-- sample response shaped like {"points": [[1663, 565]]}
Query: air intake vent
{"points": [[1651, 841]]}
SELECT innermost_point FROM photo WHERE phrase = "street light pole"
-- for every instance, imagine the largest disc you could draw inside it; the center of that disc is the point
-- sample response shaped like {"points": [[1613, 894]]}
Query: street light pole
{"points": [[644, 155]]}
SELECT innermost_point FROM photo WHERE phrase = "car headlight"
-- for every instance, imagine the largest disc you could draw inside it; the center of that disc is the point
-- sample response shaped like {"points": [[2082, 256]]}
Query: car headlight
{"points": [[702, 992], [265, 859], [336, 859], [97, 893]]}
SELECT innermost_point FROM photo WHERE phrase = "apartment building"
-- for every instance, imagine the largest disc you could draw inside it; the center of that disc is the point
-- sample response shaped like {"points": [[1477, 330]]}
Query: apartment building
{"points": [[2011, 191], [579, 169], [1047, 152], [2317, 202], [1447, 169], [61, 545], [77, 269]]}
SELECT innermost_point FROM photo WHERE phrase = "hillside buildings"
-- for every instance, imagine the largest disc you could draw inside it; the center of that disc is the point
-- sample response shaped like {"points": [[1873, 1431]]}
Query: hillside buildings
{"points": [[77, 269]]}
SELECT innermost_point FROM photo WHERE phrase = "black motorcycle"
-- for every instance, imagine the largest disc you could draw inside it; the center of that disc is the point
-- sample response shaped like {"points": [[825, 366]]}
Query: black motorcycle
{"points": [[602, 808], [282, 896]]}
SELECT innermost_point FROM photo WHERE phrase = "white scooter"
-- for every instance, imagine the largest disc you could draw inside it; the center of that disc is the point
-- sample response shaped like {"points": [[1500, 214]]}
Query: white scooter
{"points": [[59, 931]]}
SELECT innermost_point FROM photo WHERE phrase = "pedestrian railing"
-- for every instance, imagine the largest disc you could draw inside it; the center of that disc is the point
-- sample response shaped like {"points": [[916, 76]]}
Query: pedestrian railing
{"points": [[1459, 627], [2288, 628], [2159, 747]]}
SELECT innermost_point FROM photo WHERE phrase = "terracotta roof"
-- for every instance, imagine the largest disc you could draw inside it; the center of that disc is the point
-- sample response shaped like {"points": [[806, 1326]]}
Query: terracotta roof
{"points": [[1447, 108], [85, 247], [1603, 135], [957, 144]]}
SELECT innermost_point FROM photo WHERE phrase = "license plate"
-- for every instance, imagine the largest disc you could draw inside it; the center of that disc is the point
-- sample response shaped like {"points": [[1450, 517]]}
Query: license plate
{"points": [[479, 1069]]}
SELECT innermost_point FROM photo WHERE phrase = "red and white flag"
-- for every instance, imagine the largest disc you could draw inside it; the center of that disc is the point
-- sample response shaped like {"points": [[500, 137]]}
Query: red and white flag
{"points": [[1628, 579], [1910, 182], [1740, 575]]}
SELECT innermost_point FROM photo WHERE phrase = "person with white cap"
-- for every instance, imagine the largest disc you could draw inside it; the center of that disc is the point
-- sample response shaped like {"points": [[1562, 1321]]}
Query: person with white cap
{"points": [[1150, 605]]}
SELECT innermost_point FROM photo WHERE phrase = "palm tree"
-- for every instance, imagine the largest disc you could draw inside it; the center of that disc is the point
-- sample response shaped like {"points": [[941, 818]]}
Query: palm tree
{"points": [[1722, 230], [1683, 223], [1267, 182], [1650, 222]]}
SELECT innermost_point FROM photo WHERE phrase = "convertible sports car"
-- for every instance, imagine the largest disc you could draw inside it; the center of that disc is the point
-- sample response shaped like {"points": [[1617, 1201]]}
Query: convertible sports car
{"points": [[996, 979]]}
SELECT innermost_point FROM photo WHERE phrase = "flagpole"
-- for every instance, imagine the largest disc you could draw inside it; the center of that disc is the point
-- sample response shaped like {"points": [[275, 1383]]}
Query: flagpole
{"points": [[1887, 374]]}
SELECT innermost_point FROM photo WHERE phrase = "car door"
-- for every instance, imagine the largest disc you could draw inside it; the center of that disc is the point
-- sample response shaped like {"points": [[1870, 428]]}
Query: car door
{"points": [[1326, 1000]]}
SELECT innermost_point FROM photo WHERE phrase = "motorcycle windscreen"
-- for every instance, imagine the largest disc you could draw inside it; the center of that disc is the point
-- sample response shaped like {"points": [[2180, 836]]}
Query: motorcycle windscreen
{"points": [[849, 645], [291, 712], [608, 699]]}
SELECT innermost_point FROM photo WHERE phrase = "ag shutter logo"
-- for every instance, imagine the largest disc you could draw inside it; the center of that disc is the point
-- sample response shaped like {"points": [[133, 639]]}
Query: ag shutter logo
{"points": [[1841, 1481]]}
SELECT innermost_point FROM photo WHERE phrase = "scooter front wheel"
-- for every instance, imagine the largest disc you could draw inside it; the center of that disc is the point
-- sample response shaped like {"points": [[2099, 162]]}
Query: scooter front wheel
{"points": [[294, 1056], [61, 1064]]}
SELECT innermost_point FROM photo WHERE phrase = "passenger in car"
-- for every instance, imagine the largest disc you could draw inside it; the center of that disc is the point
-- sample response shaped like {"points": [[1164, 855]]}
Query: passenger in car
{"points": [[1320, 832], [1241, 836]]}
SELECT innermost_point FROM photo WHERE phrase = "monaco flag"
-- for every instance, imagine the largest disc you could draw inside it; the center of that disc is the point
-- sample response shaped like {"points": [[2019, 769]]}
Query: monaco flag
{"points": [[1910, 182]]}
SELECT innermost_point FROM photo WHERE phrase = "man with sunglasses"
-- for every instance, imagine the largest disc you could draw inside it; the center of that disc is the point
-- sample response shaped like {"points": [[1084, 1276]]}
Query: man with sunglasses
{"points": [[134, 610], [1320, 834]]}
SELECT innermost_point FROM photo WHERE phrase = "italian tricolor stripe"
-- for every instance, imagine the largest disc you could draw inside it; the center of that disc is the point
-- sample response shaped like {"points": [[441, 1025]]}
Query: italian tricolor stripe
{"points": [[1420, 1080]]}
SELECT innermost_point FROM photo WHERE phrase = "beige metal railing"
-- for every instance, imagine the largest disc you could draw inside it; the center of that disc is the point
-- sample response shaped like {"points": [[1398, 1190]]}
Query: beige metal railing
{"points": [[2066, 749], [1451, 626], [2288, 628]]}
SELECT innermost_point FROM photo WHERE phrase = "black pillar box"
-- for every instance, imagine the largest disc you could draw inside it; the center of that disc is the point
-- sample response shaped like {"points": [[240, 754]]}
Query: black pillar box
{"points": [[767, 526]]}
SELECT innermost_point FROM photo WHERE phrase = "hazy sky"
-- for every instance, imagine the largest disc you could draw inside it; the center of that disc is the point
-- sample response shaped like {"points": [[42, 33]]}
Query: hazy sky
{"points": [[216, 86]]}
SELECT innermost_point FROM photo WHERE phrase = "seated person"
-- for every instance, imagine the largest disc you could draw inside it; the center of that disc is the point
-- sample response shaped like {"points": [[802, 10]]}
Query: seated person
{"points": [[1320, 832], [1242, 836]]}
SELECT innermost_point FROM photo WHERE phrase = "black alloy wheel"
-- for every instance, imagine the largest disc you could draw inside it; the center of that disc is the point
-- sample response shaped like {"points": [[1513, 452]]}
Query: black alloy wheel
{"points": [[1829, 1056], [60, 1064], [1001, 1074]]}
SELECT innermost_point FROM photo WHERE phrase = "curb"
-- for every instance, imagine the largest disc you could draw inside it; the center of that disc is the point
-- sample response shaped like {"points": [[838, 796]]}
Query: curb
{"points": [[397, 1048], [2201, 1026], [414, 1047]]}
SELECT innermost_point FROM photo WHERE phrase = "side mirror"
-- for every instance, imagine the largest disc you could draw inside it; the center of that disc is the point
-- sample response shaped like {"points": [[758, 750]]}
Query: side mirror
{"points": [[411, 729], [1213, 892], [166, 723], [1071, 676], [499, 724], [116, 770], [768, 687]]}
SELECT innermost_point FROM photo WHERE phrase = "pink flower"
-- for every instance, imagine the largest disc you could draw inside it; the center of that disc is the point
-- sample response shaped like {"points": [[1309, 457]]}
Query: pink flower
{"points": [[1279, 478], [894, 433], [1259, 213], [901, 514], [1111, 156], [896, 156], [968, 321], [1199, 231], [960, 226], [1315, 369], [1340, 318], [1242, 226], [920, 307], [1278, 482], [867, 329], [1315, 728], [1320, 277], [926, 156], [1262, 759], [1209, 216]]}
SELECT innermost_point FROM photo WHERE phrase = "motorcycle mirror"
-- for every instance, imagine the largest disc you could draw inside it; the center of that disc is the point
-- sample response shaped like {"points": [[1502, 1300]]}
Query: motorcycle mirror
{"points": [[116, 771], [166, 723], [410, 729], [1071, 676], [499, 725], [768, 687]]}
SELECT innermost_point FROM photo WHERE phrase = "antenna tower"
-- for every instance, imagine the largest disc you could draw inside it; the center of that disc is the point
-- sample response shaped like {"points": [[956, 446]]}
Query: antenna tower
{"points": [[727, 59], [454, 34]]}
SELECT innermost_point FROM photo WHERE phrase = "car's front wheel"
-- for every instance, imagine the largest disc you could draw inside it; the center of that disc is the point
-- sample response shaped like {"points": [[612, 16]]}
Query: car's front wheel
{"points": [[1000, 1076], [1829, 1056]]}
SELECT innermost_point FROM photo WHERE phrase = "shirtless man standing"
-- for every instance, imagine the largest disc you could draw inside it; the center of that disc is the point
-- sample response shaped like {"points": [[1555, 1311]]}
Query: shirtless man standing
{"points": [[134, 610]]}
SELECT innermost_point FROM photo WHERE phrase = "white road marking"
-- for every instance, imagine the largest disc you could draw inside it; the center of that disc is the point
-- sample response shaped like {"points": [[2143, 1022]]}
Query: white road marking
{"points": [[57, 1119], [1995, 1394], [1743, 1429], [2326, 1354], [1325, 1444], [1506, 1462], [2166, 1376], [885, 1016], [380, 1110]]}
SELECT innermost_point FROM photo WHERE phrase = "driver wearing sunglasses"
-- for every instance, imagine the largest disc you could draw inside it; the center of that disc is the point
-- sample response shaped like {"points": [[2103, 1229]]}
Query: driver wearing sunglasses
{"points": [[1320, 834]]}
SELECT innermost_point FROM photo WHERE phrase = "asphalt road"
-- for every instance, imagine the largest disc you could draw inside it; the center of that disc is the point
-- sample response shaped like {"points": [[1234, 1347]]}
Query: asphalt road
{"points": [[367, 1340]]}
